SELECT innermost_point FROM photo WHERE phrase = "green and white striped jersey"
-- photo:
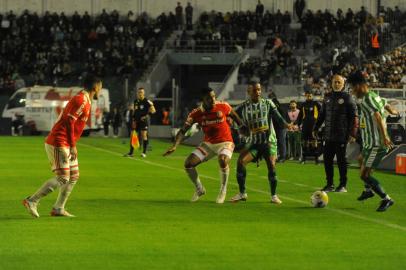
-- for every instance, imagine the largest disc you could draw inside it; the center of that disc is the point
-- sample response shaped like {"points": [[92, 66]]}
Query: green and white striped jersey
{"points": [[257, 117], [371, 103]]}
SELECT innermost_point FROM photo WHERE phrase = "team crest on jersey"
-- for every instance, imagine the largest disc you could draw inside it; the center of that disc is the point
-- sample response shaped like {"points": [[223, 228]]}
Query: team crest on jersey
{"points": [[141, 107], [340, 101]]}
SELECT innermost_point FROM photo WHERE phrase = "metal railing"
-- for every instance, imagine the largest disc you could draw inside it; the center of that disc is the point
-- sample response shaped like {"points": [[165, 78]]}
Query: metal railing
{"points": [[207, 46]]}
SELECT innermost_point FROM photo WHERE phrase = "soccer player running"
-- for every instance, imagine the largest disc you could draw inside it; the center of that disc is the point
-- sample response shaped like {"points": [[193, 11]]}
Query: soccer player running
{"points": [[212, 118], [60, 146], [375, 139], [257, 113]]}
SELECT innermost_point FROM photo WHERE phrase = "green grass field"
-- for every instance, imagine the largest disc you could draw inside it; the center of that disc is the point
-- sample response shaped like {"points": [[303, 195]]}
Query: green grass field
{"points": [[135, 213]]}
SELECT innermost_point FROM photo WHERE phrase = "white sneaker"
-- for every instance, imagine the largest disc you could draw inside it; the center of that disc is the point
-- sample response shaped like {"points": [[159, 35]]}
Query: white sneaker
{"points": [[60, 213], [31, 207], [198, 193], [275, 199], [221, 197], [143, 155], [239, 197]]}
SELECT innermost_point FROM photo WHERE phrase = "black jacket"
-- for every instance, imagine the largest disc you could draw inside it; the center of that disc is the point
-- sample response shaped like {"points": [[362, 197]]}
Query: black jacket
{"points": [[339, 114], [308, 115]]}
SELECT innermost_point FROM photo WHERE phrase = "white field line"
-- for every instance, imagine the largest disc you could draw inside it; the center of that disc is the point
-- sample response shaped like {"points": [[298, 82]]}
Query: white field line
{"points": [[343, 212]]}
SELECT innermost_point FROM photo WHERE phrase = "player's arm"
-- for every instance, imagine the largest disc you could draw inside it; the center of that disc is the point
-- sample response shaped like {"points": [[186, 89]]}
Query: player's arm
{"points": [[321, 118], [278, 117], [151, 109], [178, 138], [352, 118], [382, 130], [374, 110], [76, 110], [391, 110], [70, 127], [241, 126]]}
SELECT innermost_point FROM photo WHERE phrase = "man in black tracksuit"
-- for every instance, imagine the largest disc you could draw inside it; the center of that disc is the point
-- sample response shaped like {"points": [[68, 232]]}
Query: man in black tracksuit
{"points": [[308, 115], [339, 114]]}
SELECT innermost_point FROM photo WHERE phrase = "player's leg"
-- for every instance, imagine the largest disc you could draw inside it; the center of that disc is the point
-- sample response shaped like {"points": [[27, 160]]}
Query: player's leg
{"points": [[144, 136], [58, 157], [131, 152], [328, 155], [224, 152], [270, 153], [65, 191], [371, 160], [245, 157], [200, 154], [367, 193]]}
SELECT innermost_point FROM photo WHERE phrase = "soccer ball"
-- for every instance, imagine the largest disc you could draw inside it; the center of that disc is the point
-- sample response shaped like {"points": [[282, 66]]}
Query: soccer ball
{"points": [[319, 199]]}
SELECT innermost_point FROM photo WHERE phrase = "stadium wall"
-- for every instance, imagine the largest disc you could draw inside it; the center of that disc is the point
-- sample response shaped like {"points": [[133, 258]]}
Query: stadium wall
{"points": [[155, 7]]}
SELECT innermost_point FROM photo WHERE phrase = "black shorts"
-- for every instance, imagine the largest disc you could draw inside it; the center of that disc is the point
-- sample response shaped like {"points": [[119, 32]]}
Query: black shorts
{"points": [[141, 125]]}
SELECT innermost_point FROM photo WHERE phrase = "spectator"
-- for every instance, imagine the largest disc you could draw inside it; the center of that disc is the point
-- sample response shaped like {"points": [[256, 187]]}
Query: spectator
{"points": [[259, 10], [140, 44], [115, 121], [189, 16], [252, 38], [299, 7], [179, 16], [127, 116], [293, 136], [106, 123]]}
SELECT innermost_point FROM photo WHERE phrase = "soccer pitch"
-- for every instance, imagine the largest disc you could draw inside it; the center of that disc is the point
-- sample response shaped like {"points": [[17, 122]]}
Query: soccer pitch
{"points": [[135, 213]]}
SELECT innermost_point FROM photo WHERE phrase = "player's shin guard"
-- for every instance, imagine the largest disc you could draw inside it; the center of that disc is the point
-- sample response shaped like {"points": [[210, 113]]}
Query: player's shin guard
{"points": [[241, 175], [64, 193], [144, 146], [194, 177], [48, 187], [224, 173], [273, 182], [376, 187]]}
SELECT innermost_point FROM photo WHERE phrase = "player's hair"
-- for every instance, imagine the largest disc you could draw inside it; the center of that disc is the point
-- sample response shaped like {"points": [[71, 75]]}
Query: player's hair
{"points": [[357, 77], [140, 88], [253, 82], [205, 91], [90, 81], [293, 101]]}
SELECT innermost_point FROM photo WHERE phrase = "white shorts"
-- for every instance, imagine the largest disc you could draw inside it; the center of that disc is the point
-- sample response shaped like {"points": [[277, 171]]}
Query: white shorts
{"points": [[206, 150], [59, 158]]}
